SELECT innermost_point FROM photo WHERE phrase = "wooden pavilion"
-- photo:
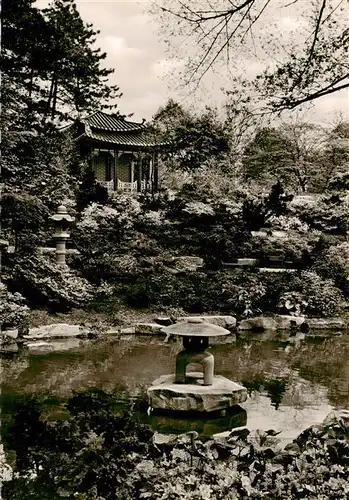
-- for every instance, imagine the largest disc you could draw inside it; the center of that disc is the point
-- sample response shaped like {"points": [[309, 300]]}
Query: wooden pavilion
{"points": [[122, 153]]}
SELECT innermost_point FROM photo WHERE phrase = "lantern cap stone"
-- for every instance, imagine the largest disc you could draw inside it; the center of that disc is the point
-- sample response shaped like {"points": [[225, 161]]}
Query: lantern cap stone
{"points": [[195, 327], [62, 214]]}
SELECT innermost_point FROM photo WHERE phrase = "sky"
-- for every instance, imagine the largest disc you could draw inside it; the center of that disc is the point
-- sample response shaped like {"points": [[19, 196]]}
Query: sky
{"points": [[146, 75]]}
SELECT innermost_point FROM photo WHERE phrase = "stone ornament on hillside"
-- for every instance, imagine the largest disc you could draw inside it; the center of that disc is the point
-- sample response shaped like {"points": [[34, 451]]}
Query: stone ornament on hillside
{"points": [[61, 220]]}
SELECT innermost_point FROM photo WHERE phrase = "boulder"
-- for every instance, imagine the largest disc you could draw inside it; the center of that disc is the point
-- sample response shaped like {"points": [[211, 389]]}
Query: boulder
{"points": [[149, 329], [326, 324], [164, 394], [163, 320], [130, 330], [228, 322], [57, 330], [259, 323], [242, 263], [277, 270], [289, 322], [10, 333]]}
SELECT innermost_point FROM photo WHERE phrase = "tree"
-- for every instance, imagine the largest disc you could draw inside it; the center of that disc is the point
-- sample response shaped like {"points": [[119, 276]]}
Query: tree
{"points": [[337, 156], [308, 64], [191, 138], [48, 58], [76, 77], [295, 152], [266, 155]]}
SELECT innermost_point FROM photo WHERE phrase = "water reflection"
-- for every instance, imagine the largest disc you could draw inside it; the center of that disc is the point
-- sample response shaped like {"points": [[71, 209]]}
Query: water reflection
{"points": [[292, 382], [204, 424]]}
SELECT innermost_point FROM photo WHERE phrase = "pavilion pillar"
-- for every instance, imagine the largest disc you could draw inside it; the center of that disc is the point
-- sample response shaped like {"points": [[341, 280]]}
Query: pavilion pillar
{"points": [[139, 172], [155, 162], [116, 155]]}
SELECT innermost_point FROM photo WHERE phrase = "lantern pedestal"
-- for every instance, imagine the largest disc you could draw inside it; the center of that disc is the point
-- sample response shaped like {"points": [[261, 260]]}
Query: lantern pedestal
{"points": [[187, 391], [166, 394], [61, 220]]}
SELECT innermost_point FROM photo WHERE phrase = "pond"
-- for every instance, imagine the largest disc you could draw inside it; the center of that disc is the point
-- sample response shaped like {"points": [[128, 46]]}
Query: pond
{"points": [[293, 382]]}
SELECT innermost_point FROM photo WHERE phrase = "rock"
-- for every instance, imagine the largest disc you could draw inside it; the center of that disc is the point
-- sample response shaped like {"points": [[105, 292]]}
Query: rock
{"points": [[57, 330], [302, 200], [242, 263], [279, 234], [164, 394], [10, 333], [228, 322], [164, 321], [130, 330], [259, 323], [277, 270], [328, 324], [164, 439], [149, 329], [288, 322]]}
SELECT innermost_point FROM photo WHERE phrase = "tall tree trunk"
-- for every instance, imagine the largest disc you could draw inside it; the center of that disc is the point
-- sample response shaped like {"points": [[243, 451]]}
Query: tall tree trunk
{"points": [[48, 108], [54, 101], [31, 79]]}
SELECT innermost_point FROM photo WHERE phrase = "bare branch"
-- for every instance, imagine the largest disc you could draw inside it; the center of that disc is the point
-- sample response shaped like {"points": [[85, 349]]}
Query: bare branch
{"points": [[320, 93], [201, 17]]}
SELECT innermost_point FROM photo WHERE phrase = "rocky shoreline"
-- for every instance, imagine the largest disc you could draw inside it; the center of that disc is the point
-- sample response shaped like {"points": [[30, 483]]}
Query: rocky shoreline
{"points": [[64, 336]]}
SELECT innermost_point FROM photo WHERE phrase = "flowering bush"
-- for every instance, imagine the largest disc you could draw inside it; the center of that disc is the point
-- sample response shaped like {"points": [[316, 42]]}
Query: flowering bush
{"points": [[12, 308], [327, 215], [292, 248], [198, 208], [287, 223], [151, 218]]}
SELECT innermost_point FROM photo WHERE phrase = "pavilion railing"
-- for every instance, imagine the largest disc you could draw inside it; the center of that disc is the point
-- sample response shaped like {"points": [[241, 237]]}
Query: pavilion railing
{"points": [[128, 187]]}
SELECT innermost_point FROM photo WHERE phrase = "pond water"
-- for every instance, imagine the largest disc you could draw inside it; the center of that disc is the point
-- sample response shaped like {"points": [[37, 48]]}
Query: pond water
{"points": [[293, 382]]}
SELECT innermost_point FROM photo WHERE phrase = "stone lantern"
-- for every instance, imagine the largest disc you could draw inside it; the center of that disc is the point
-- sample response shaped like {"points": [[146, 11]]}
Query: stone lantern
{"points": [[61, 220], [195, 391]]}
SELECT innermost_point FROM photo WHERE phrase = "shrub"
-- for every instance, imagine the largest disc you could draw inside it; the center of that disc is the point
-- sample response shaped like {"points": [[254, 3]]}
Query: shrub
{"points": [[333, 263], [12, 308], [90, 191], [311, 295], [197, 292], [43, 283], [339, 182]]}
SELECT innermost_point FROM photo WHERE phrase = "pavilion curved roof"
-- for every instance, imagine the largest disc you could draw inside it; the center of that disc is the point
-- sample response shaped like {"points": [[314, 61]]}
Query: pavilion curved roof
{"points": [[111, 123], [114, 130]]}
